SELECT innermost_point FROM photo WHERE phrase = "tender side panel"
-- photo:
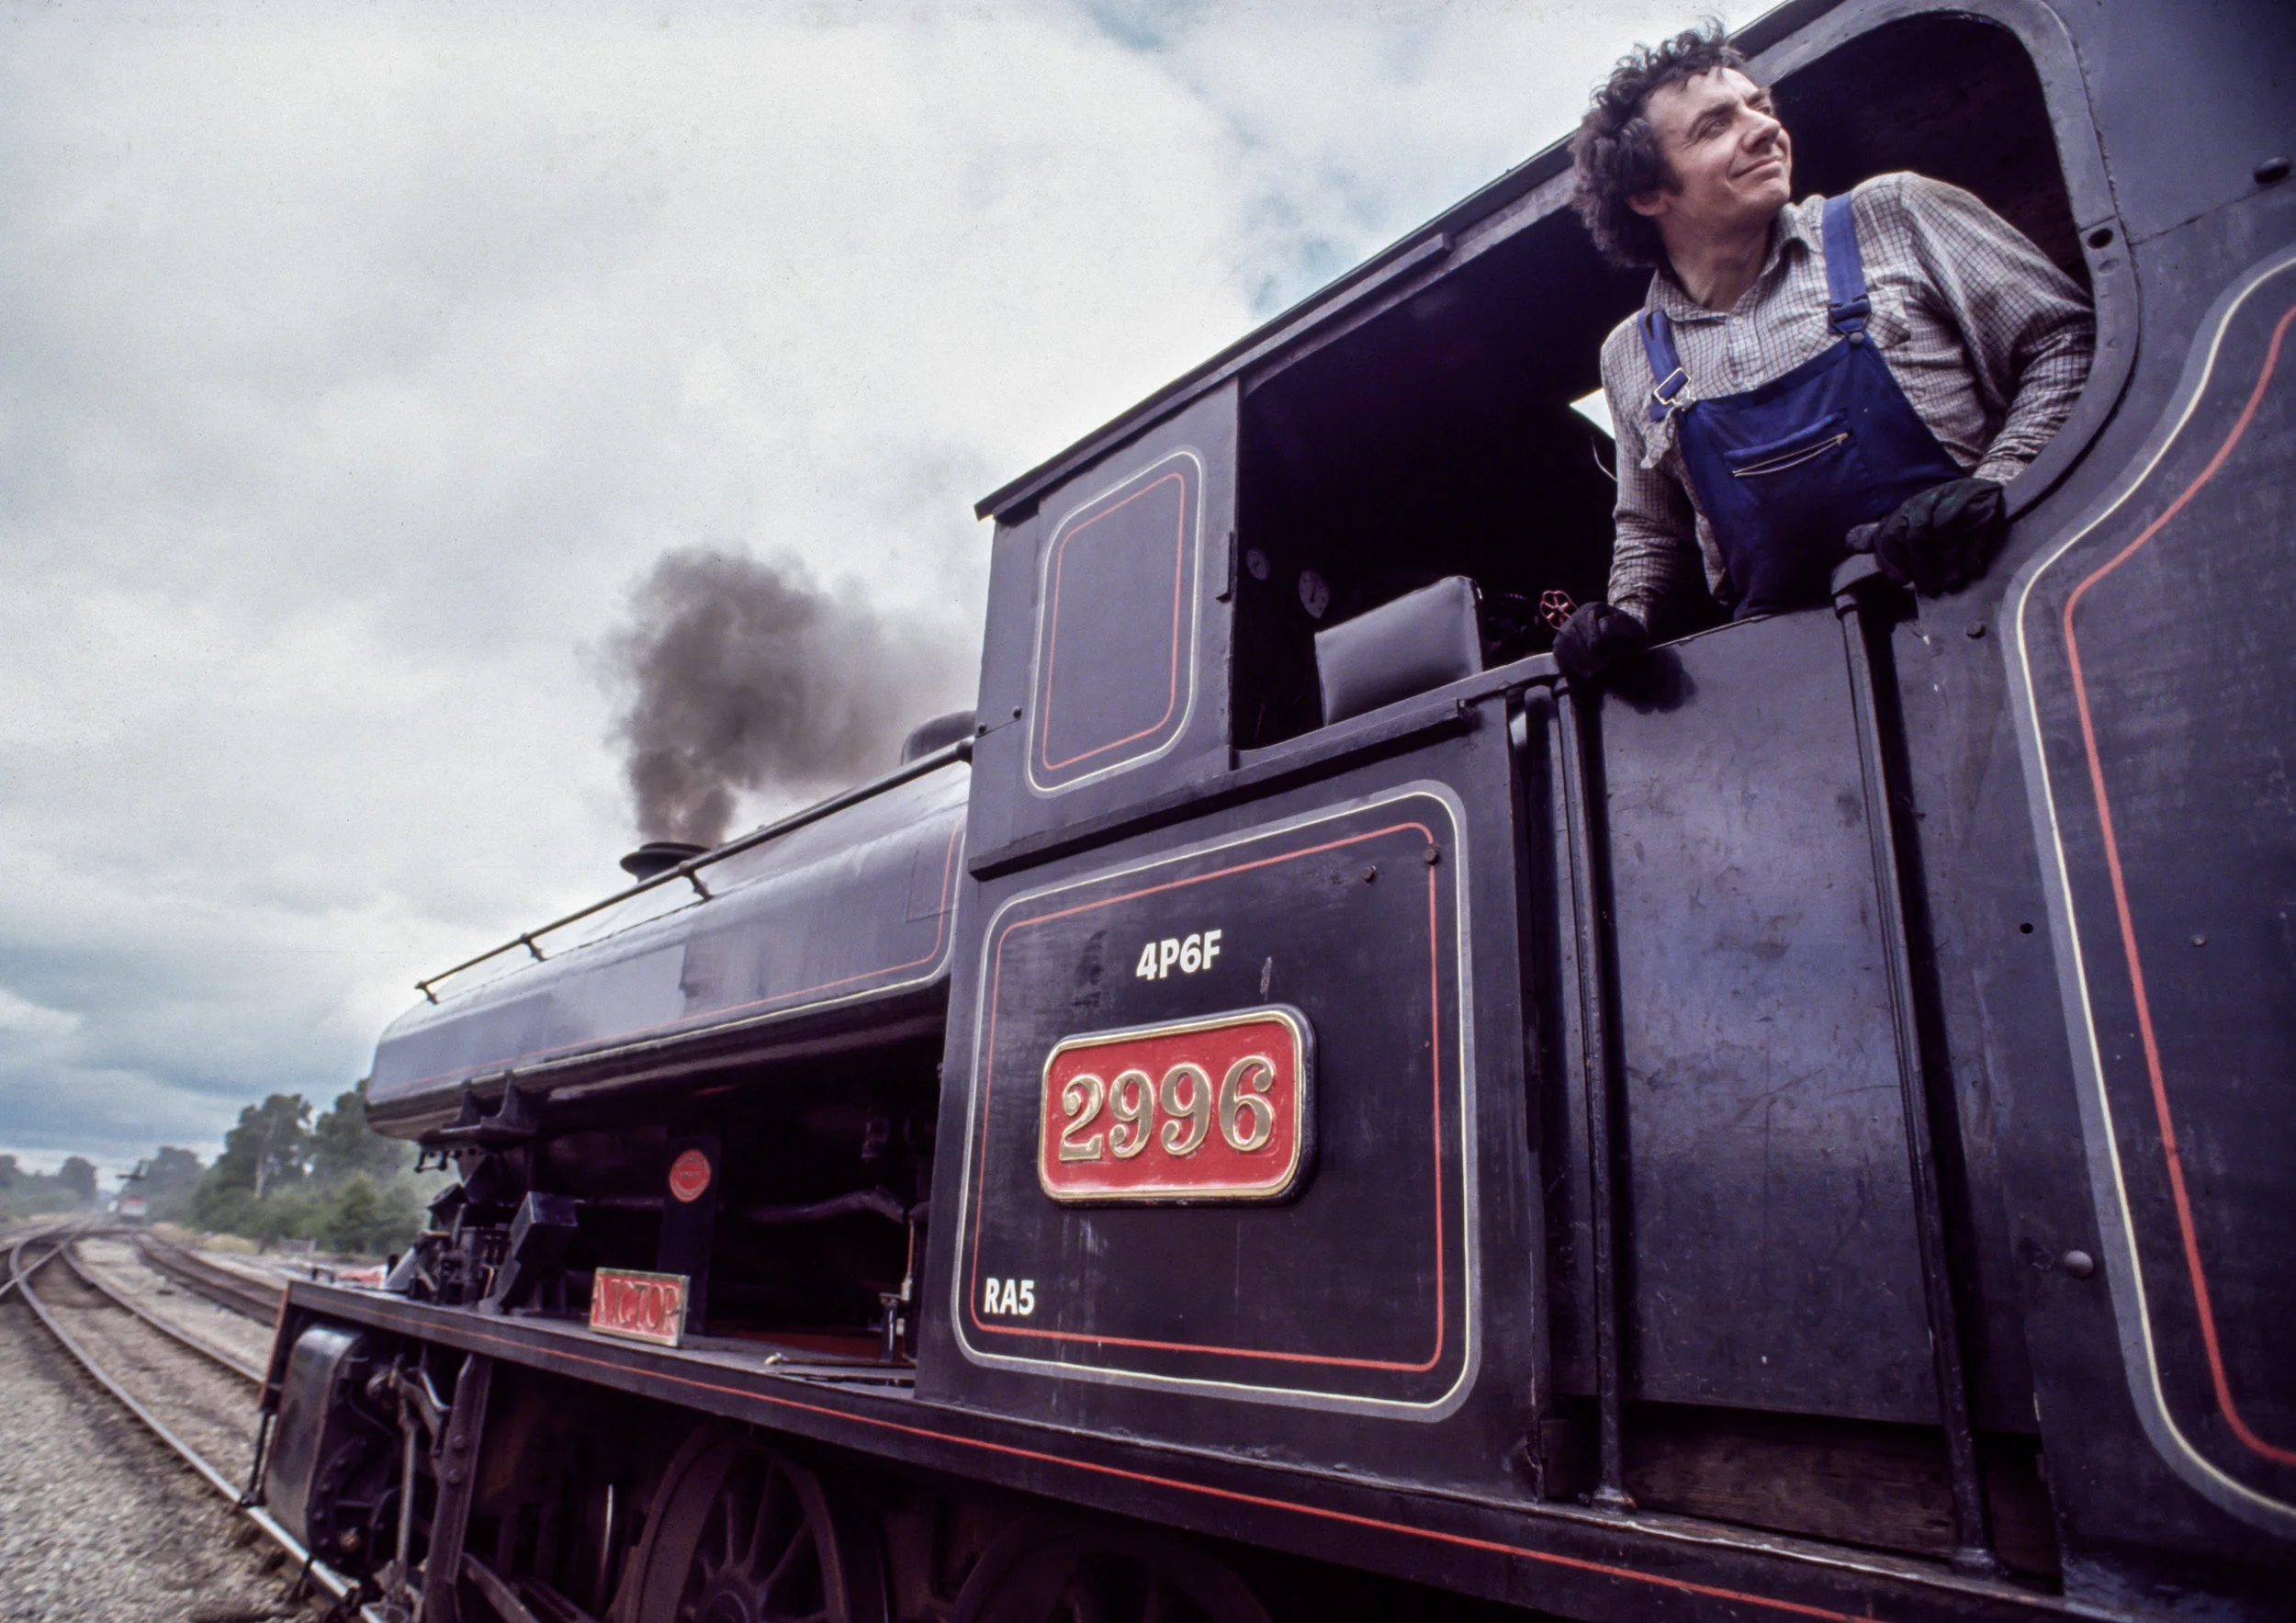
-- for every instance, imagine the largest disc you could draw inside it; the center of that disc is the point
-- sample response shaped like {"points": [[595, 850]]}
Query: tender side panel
{"points": [[1774, 1260], [1353, 1289], [2154, 649]]}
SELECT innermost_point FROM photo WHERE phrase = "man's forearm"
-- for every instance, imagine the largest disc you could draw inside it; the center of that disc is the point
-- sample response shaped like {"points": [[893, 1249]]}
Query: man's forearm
{"points": [[1651, 572], [2050, 383], [2027, 327], [1654, 560]]}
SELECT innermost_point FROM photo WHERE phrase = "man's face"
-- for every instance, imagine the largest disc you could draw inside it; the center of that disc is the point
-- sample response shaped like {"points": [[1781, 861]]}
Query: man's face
{"points": [[1731, 163]]}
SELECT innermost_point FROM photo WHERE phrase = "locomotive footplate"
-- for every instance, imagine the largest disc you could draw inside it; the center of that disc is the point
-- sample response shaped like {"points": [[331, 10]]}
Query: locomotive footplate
{"points": [[1556, 1557]]}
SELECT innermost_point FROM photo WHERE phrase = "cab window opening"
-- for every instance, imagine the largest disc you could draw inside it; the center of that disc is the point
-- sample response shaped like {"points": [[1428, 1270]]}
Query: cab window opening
{"points": [[1440, 438]]}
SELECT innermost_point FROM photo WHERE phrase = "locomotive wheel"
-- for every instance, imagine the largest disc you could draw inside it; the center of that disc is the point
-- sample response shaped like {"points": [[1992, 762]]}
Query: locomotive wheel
{"points": [[1055, 1573], [742, 1534]]}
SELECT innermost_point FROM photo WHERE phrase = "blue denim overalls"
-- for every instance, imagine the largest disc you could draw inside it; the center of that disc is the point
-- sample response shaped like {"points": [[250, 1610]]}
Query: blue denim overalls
{"points": [[1783, 471]]}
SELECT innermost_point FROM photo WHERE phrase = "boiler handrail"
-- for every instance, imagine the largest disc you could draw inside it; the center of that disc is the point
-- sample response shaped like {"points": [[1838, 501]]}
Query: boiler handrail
{"points": [[931, 760]]}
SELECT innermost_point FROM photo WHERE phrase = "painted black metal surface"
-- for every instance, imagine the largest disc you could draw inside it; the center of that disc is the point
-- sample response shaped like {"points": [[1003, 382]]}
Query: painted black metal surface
{"points": [[1104, 676], [1772, 1263], [851, 910], [1358, 1287], [1557, 1559], [1119, 593], [1390, 1301], [2152, 646]]}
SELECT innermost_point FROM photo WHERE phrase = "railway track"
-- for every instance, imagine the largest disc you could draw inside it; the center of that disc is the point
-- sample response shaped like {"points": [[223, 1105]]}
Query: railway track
{"points": [[244, 1368], [199, 1411], [219, 1285]]}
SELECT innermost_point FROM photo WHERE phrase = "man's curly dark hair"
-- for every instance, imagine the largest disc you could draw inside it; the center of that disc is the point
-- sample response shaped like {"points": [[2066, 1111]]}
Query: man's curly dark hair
{"points": [[1615, 152]]}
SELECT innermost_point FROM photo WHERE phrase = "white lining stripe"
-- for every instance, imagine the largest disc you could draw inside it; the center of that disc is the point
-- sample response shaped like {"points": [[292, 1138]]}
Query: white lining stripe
{"points": [[2114, 1218]]}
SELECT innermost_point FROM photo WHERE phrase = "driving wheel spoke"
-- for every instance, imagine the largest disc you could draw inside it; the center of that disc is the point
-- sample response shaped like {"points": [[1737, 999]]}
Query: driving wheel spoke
{"points": [[763, 1550], [735, 1554], [1052, 1570], [789, 1566]]}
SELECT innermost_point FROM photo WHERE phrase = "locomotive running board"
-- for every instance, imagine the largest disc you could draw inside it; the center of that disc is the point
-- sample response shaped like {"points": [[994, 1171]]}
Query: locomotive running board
{"points": [[1570, 1558]]}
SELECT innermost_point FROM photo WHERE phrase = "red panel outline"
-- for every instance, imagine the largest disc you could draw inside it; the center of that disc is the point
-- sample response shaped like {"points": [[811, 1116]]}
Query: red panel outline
{"points": [[2233, 1418], [1434, 1017], [1229, 1495], [940, 932], [1052, 627]]}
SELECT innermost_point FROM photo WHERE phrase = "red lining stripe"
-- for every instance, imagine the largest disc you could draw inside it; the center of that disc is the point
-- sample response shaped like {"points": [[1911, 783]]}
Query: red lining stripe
{"points": [[1052, 627], [2128, 925], [988, 1067]]}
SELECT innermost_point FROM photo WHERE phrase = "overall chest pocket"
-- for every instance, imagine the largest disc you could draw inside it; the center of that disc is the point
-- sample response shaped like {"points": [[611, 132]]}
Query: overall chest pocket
{"points": [[1826, 440]]}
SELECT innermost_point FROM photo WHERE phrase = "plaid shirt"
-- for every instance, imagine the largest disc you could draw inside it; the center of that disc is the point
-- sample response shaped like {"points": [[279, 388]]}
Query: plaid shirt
{"points": [[1989, 340]]}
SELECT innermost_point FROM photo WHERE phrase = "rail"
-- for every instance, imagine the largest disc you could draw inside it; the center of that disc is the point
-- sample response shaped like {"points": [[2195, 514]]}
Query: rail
{"points": [[20, 1280], [120, 1299], [931, 762], [248, 1298]]}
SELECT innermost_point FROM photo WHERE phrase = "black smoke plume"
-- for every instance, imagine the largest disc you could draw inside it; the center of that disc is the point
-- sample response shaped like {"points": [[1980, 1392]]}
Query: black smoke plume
{"points": [[735, 675]]}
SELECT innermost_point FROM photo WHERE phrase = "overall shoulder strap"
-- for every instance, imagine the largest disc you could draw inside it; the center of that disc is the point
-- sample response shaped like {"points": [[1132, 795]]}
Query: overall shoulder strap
{"points": [[1846, 304], [1666, 368]]}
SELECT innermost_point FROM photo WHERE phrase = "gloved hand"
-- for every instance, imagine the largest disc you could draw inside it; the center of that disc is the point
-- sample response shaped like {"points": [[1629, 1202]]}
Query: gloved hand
{"points": [[1595, 637], [1940, 539]]}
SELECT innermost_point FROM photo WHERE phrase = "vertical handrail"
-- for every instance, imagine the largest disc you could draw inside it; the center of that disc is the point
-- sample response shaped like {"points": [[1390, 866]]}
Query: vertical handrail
{"points": [[1972, 1532], [1597, 1032]]}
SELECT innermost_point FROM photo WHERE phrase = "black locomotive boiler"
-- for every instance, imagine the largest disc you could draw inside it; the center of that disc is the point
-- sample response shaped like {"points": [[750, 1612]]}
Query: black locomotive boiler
{"points": [[1293, 1110]]}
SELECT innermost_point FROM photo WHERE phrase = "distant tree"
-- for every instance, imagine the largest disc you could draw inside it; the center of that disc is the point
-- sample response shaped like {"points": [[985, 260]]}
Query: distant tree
{"points": [[168, 1179], [221, 1210], [370, 1219], [400, 1216], [267, 1148], [9, 1172], [78, 1175], [352, 1225], [343, 1145], [296, 1211]]}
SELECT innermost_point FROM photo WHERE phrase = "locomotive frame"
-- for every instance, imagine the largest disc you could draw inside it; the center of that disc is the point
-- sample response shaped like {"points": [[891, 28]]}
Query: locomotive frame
{"points": [[1791, 1130]]}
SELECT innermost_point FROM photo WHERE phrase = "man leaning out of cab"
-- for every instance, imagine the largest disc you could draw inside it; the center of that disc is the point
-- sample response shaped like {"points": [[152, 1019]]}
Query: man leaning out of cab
{"points": [[1804, 379]]}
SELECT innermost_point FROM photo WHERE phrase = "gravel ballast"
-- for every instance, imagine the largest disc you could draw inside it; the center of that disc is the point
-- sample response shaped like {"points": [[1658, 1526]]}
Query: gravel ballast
{"points": [[120, 1265], [97, 1519]]}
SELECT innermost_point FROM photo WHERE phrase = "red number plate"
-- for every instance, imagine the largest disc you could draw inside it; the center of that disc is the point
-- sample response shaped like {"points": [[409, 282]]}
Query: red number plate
{"points": [[642, 1307], [1206, 1109]]}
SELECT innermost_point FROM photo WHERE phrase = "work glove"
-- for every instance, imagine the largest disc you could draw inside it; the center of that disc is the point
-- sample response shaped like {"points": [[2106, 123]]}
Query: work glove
{"points": [[1596, 636], [1940, 539]]}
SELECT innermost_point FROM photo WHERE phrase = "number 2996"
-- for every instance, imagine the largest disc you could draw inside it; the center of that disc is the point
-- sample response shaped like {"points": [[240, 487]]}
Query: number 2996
{"points": [[1138, 1115]]}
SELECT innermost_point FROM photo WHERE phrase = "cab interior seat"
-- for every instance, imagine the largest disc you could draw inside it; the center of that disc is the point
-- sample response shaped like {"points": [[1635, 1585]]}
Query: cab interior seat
{"points": [[1413, 644]]}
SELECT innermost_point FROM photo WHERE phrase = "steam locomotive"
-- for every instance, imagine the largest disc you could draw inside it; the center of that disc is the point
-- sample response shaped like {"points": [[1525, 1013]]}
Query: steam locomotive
{"points": [[1292, 1109]]}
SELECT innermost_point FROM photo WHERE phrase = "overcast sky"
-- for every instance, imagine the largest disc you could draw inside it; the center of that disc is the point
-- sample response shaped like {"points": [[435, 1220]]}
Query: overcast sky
{"points": [[357, 361]]}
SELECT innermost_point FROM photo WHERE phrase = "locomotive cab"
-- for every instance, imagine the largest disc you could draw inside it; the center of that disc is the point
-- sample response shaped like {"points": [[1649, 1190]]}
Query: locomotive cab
{"points": [[1683, 939], [1460, 429]]}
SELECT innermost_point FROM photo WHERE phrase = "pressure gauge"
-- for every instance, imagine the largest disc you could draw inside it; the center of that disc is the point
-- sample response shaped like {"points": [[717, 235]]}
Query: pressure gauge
{"points": [[1315, 594]]}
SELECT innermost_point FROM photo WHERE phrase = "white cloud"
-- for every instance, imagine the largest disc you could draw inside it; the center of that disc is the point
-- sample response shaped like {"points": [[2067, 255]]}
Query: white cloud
{"points": [[23, 1022]]}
